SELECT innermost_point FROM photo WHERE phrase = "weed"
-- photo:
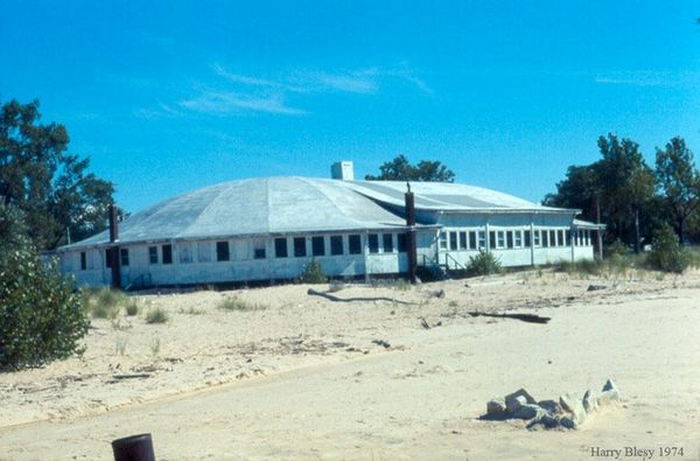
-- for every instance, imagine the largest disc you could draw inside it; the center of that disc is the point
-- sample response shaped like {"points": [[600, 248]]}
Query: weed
{"points": [[157, 315], [132, 308], [237, 304], [120, 346], [155, 346]]}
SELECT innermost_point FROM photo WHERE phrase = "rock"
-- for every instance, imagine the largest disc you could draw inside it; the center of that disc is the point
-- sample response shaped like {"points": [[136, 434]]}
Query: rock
{"points": [[568, 423], [609, 385], [573, 406], [529, 411], [596, 287], [495, 408], [589, 402], [551, 406], [549, 421], [513, 402]]}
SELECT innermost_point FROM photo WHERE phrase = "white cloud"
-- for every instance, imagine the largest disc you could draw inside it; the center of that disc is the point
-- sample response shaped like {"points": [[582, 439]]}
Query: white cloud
{"points": [[638, 78], [221, 102]]}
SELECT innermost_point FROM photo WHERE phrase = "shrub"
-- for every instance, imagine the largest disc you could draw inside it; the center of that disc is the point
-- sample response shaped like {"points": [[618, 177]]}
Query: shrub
{"points": [[666, 253], [237, 304], [157, 315], [41, 315], [313, 273], [132, 308], [485, 263], [584, 266]]}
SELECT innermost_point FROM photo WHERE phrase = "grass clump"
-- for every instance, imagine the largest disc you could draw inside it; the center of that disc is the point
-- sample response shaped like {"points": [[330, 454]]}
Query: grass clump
{"points": [[132, 309], [103, 303], [485, 263], [238, 304], [156, 315], [313, 273]]}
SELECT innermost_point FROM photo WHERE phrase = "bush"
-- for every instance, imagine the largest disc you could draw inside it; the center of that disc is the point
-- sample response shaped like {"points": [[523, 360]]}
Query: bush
{"points": [[132, 308], [666, 253], [313, 273], [41, 314], [584, 266], [157, 315], [485, 263]]}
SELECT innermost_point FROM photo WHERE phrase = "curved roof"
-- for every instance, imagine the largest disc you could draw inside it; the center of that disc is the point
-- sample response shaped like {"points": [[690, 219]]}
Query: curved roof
{"points": [[287, 204]]}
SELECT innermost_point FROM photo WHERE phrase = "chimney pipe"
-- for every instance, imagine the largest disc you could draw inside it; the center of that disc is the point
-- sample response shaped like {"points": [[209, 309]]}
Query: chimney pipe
{"points": [[412, 252], [114, 249]]}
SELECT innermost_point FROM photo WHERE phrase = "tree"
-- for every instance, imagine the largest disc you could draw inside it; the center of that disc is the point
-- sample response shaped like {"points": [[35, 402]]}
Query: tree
{"points": [[41, 316], [678, 182], [619, 187], [53, 189], [400, 169]]}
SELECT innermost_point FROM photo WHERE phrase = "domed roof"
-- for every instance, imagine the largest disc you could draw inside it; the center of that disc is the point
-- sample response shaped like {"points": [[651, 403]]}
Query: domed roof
{"points": [[288, 204], [258, 206]]}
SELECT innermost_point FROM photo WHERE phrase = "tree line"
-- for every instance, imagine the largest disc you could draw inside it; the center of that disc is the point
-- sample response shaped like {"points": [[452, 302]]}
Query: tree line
{"points": [[633, 199]]}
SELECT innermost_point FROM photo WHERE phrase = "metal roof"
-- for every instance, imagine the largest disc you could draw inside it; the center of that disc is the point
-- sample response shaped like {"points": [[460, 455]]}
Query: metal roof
{"points": [[288, 204]]}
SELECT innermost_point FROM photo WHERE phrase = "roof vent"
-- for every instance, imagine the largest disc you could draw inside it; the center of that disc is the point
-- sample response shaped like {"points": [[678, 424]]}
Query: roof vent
{"points": [[343, 170]]}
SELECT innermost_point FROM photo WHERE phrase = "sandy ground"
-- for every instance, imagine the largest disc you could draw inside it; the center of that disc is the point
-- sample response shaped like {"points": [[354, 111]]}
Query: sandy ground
{"points": [[301, 378]]}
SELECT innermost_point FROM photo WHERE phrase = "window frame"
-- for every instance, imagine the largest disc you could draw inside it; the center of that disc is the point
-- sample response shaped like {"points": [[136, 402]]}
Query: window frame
{"points": [[223, 251]]}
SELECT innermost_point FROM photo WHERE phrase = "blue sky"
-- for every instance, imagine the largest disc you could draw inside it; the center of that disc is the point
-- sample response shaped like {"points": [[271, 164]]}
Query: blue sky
{"points": [[169, 96]]}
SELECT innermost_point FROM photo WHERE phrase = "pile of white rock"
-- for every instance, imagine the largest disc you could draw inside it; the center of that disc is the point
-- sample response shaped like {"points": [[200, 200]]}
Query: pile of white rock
{"points": [[569, 412]]}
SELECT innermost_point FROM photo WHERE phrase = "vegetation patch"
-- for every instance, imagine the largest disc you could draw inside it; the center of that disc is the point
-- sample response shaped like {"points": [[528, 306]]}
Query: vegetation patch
{"points": [[238, 304], [313, 273], [156, 315], [485, 263]]}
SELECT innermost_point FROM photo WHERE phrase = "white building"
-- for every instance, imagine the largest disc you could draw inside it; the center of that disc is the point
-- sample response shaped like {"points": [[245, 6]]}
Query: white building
{"points": [[269, 229]]}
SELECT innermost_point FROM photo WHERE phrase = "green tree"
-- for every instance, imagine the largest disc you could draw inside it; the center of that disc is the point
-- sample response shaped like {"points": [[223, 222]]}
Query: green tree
{"points": [[41, 315], [619, 187], [678, 182], [400, 169], [52, 187]]}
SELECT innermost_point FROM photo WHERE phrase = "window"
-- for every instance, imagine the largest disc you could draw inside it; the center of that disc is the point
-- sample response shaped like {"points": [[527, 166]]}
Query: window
{"points": [[281, 248], [354, 244], [203, 252], [545, 238], [588, 238], [153, 255], [472, 240], [259, 249], [482, 240], [299, 247], [222, 251], [528, 238], [501, 239], [336, 245], [560, 237], [453, 240], [318, 246], [552, 238], [402, 242], [518, 238], [388, 243], [83, 261], [509, 239], [443, 240], [462, 240], [537, 238], [108, 257], [167, 253], [185, 253], [568, 237], [124, 256], [373, 243], [492, 239]]}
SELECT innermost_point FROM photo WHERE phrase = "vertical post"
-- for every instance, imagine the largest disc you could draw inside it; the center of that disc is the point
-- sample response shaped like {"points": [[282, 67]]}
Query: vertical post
{"points": [[599, 234], [412, 252], [114, 249], [532, 242]]}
